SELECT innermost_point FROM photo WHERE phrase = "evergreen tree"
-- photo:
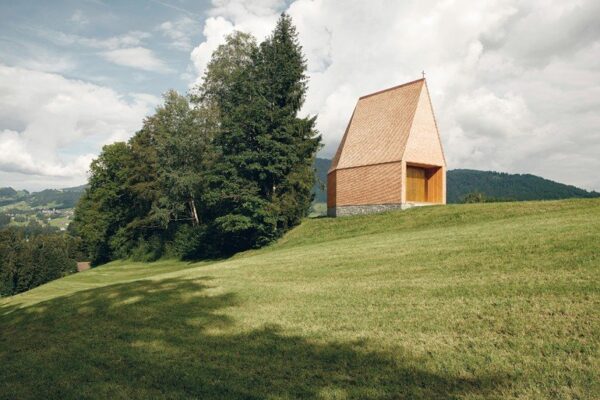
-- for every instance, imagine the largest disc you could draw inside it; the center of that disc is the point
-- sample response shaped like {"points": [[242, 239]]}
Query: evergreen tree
{"points": [[262, 180], [237, 215], [288, 144], [27, 261]]}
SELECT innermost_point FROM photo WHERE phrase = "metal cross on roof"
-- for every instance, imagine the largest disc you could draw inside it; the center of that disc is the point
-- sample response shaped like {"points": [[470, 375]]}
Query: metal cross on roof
{"points": [[423, 72]]}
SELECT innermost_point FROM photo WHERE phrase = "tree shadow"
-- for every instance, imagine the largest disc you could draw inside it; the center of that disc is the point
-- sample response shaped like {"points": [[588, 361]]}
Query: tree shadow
{"points": [[173, 339]]}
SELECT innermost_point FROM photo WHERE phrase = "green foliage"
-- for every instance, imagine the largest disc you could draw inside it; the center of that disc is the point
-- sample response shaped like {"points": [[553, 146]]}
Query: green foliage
{"points": [[104, 208], [478, 197], [147, 249], [140, 191], [184, 138], [35, 228], [191, 242], [474, 198], [229, 170], [260, 184], [31, 259]]}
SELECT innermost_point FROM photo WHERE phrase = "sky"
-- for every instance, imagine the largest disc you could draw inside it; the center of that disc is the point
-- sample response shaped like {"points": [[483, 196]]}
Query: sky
{"points": [[515, 85]]}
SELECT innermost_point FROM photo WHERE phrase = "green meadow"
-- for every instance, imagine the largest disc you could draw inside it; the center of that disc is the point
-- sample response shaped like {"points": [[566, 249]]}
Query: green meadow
{"points": [[481, 301]]}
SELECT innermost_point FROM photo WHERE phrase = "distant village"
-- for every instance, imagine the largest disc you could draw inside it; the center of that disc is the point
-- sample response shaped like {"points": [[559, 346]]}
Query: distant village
{"points": [[59, 218], [50, 208]]}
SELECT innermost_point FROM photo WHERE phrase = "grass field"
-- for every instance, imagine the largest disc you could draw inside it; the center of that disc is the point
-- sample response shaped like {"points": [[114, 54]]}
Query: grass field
{"points": [[461, 302], [61, 222]]}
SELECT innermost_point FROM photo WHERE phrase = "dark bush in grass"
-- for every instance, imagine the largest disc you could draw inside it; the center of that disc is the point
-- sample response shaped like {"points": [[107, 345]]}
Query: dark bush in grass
{"points": [[150, 249]]}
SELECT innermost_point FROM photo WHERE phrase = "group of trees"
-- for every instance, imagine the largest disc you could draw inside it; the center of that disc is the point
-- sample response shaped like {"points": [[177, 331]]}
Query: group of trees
{"points": [[29, 260], [226, 168], [478, 197]]}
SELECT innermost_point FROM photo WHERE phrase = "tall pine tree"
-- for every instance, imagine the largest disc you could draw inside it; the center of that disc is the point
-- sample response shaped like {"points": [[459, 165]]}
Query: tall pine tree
{"points": [[263, 178], [289, 143]]}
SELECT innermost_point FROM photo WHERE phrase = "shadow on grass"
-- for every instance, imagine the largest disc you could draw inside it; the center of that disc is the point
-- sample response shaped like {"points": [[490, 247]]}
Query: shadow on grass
{"points": [[172, 339]]}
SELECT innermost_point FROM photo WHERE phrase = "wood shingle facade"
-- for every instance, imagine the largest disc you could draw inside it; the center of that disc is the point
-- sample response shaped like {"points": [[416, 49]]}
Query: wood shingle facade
{"points": [[390, 156]]}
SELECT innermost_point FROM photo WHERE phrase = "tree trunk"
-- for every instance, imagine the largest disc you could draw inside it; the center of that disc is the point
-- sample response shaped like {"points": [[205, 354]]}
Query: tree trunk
{"points": [[195, 220]]}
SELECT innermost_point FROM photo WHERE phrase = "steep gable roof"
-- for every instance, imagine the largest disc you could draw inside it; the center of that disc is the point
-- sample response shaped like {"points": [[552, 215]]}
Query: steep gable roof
{"points": [[424, 145], [379, 127]]}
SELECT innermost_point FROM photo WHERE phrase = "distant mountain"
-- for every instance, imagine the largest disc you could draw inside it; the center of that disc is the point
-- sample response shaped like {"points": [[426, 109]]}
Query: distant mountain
{"points": [[320, 189], [7, 192], [493, 185], [503, 186], [78, 189], [54, 198], [48, 198], [9, 195]]}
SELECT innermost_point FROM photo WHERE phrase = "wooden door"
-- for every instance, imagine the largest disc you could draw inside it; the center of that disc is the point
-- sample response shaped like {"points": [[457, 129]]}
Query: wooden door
{"points": [[416, 184]]}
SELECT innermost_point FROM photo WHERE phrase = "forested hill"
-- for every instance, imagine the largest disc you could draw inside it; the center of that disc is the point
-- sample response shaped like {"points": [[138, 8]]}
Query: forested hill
{"points": [[51, 198], [320, 188], [503, 186], [493, 185], [460, 182]]}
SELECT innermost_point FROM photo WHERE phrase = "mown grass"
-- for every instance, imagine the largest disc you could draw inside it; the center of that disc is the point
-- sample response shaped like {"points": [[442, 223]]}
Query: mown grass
{"points": [[465, 301]]}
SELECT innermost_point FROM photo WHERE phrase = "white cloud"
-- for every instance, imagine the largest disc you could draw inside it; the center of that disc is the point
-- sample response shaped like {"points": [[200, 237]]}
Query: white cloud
{"points": [[51, 126], [515, 84], [256, 17], [129, 39], [17, 158], [180, 32], [40, 59], [136, 57], [79, 18], [126, 50]]}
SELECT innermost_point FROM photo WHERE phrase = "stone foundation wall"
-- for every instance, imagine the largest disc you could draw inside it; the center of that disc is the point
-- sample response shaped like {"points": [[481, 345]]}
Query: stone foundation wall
{"points": [[343, 211]]}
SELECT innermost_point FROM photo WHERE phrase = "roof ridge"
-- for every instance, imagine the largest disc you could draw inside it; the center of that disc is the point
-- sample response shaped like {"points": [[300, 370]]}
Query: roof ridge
{"points": [[412, 119], [391, 88], [336, 158], [437, 131]]}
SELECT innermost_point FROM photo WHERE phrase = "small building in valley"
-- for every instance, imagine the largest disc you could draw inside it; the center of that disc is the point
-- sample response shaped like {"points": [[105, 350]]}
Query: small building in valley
{"points": [[390, 156]]}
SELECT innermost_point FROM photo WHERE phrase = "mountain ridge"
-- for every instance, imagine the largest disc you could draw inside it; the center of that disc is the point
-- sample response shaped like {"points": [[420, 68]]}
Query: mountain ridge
{"points": [[60, 198], [495, 186]]}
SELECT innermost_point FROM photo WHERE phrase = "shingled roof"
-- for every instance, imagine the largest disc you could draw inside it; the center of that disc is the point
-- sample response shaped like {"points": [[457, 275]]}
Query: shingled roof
{"points": [[379, 128]]}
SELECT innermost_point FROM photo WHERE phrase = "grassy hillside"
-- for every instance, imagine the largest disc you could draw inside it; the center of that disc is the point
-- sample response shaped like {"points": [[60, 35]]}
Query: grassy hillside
{"points": [[462, 301]]}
